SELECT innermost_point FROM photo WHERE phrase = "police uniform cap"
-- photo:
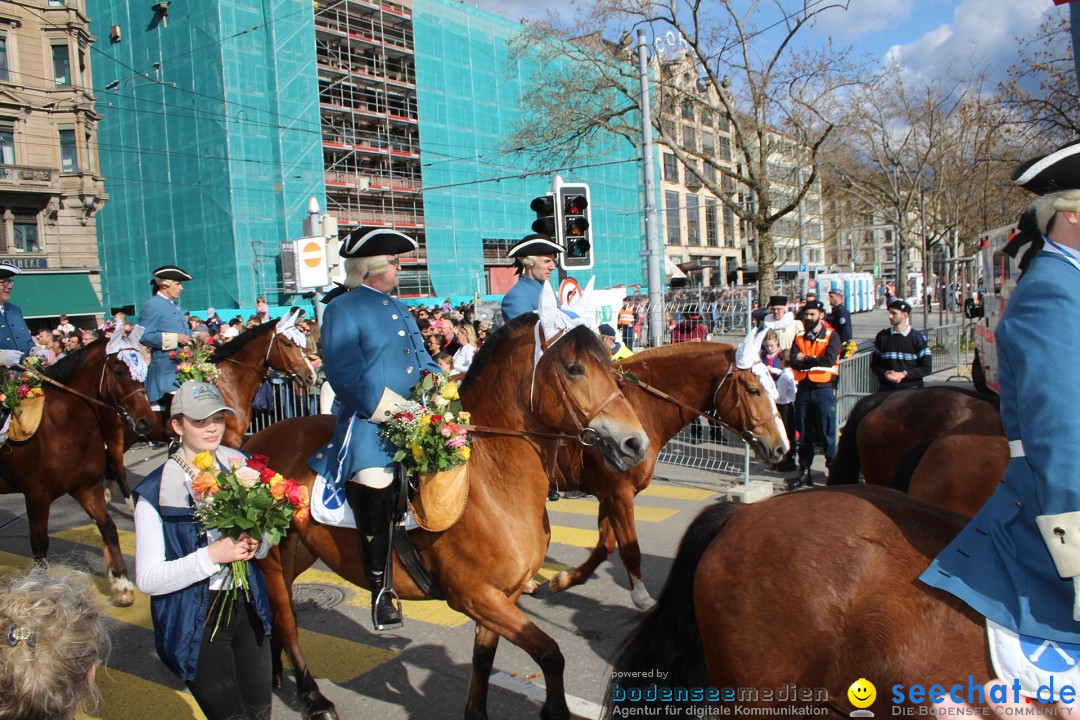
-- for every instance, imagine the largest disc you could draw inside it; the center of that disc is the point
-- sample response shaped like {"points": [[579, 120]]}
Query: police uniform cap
{"points": [[837, 292], [534, 245], [369, 242], [814, 305], [1053, 172], [777, 300], [898, 304], [8, 269], [171, 272], [606, 329]]}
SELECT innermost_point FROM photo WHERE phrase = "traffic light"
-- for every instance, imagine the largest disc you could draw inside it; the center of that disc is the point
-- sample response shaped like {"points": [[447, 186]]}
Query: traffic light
{"points": [[545, 224], [576, 227]]}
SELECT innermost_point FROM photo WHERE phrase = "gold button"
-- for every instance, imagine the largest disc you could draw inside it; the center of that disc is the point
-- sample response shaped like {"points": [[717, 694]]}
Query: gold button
{"points": [[401, 333], [394, 316]]}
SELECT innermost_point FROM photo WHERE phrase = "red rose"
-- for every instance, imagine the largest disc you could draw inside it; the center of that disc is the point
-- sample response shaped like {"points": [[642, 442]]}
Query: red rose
{"points": [[436, 419], [267, 474], [172, 355], [258, 462], [406, 416]]}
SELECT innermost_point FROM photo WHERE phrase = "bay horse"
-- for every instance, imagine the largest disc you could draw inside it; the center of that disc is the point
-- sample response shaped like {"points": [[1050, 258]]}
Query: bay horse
{"points": [[484, 561], [815, 589], [695, 376], [243, 364], [885, 426], [67, 453]]}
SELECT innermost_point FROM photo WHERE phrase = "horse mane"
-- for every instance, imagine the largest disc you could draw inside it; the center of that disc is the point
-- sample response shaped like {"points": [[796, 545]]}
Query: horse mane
{"points": [[62, 370], [231, 348]]}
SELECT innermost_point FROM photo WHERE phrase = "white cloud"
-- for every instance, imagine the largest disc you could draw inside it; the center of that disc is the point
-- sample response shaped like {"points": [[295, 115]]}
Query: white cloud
{"points": [[861, 17], [983, 31]]}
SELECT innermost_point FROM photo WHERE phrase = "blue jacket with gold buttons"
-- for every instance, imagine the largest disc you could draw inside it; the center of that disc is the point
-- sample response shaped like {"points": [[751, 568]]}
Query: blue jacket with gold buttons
{"points": [[373, 350]]}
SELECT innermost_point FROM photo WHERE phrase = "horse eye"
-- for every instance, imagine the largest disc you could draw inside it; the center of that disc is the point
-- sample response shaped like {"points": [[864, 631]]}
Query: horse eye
{"points": [[755, 392], [575, 369]]}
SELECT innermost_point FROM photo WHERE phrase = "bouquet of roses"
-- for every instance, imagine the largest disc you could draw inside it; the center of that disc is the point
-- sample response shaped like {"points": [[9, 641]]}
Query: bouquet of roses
{"points": [[427, 430], [848, 349], [18, 385], [247, 498], [195, 363]]}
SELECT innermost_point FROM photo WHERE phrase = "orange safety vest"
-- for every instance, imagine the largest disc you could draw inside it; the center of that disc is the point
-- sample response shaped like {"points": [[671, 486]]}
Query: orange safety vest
{"points": [[816, 348], [626, 317]]}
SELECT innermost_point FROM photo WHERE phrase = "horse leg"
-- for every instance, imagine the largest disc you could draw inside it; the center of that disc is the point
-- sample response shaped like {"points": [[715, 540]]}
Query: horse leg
{"points": [[605, 545], [625, 531], [92, 499], [285, 633], [37, 515], [485, 644], [499, 613], [114, 466]]}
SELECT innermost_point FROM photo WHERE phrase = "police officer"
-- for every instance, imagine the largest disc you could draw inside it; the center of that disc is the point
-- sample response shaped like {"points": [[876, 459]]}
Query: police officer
{"points": [[534, 258], [815, 363], [1018, 561], [374, 355], [165, 331], [618, 350], [839, 317], [901, 357], [15, 338]]}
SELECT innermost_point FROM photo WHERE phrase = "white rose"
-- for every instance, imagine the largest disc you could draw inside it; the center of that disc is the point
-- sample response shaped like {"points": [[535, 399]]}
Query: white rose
{"points": [[440, 401], [248, 477]]}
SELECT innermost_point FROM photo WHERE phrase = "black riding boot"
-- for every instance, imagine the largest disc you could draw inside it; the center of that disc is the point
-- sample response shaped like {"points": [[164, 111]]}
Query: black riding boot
{"points": [[372, 508]]}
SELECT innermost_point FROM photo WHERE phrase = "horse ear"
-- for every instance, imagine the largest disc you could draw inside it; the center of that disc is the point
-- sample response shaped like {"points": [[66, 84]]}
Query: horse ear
{"points": [[749, 351]]}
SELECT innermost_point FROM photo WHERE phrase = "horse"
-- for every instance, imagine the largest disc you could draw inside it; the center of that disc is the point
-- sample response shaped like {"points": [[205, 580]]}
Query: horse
{"points": [[698, 377], [243, 365], [67, 454], [884, 426], [806, 592], [483, 562]]}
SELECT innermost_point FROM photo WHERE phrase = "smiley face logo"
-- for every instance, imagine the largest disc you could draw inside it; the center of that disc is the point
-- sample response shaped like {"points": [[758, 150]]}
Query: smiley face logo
{"points": [[862, 693]]}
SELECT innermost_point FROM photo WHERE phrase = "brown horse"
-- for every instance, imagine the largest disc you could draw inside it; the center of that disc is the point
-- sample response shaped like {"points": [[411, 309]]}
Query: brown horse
{"points": [[701, 376], [814, 589], [483, 562], [67, 454], [243, 363], [885, 426]]}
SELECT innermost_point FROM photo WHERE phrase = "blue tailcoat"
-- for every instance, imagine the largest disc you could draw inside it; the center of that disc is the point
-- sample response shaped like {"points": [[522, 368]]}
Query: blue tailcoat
{"points": [[14, 335], [523, 298], [999, 564], [371, 343], [160, 315]]}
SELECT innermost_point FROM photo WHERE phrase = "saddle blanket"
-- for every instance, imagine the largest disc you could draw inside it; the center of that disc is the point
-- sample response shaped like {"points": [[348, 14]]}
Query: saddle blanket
{"points": [[329, 506], [1036, 663]]}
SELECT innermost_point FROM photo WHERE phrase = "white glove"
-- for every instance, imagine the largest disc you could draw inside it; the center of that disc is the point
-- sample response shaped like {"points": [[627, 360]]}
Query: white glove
{"points": [[1076, 598], [10, 358]]}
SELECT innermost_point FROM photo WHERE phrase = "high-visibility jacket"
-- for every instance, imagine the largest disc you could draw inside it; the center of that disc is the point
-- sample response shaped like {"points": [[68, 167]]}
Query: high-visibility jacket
{"points": [[816, 348], [626, 317]]}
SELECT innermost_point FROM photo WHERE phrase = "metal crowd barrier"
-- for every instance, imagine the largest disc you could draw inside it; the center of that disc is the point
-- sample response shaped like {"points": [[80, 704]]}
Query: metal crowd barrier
{"points": [[707, 446], [289, 401]]}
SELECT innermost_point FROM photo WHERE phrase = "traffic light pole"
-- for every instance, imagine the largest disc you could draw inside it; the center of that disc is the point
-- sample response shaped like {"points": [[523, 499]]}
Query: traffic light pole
{"points": [[653, 252]]}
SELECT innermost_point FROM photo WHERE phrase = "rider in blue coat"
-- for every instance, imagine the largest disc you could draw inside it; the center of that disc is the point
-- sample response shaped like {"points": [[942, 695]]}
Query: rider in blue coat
{"points": [[534, 258], [374, 355], [1018, 561], [165, 331], [15, 338]]}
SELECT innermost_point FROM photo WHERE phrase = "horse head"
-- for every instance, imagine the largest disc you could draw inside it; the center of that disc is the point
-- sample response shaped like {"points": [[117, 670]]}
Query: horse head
{"points": [[287, 352], [123, 374], [745, 400]]}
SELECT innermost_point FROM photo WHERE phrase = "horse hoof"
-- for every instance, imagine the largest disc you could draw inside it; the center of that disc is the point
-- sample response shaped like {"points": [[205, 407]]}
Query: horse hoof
{"points": [[530, 587], [130, 505], [560, 582], [123, 597], [330, 714]]}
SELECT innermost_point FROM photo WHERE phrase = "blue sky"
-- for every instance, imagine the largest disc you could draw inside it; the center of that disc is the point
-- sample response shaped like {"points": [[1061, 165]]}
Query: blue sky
{"points": [[927, 37]]}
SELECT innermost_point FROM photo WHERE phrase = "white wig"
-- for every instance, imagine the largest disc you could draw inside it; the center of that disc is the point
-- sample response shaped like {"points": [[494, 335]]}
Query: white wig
{"points": [[359, 269], [1047, 205]]}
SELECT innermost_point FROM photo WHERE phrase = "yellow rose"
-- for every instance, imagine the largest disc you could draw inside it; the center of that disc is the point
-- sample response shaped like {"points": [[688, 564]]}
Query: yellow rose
{"points": [[425, 420], [450, 392], [465, 452], [204, 460], [417, 451], [464, 417]]}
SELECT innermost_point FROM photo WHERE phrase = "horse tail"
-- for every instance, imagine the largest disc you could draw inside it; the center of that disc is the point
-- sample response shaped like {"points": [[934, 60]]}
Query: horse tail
{"points": [[666, 637], [846, 465], [906, 467]]}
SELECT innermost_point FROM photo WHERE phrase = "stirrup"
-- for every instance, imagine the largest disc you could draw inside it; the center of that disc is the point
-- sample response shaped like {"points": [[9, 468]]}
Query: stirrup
{"points": [[375, 610]]}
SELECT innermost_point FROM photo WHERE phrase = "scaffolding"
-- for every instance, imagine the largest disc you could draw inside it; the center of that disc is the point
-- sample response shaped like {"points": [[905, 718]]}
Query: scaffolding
{"points": [[370, 122]]}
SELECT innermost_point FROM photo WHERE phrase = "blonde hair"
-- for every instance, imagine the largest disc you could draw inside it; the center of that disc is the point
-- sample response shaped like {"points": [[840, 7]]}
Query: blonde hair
{"points": [[1047, 205], [470, 333], [359, 269], [60, 636]]}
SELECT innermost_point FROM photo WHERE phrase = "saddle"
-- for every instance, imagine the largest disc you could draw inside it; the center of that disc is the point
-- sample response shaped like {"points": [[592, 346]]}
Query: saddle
{"points": [[26, 418]]}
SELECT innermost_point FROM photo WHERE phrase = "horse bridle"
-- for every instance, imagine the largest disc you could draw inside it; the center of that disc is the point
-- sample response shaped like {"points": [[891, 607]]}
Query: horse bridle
{"points": [[118, 408], [743, 409], [263, 372]]}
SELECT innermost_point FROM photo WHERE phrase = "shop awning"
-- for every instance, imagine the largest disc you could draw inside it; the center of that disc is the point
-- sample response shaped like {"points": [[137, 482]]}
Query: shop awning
{"points": [[672, 270], [41, 295]]}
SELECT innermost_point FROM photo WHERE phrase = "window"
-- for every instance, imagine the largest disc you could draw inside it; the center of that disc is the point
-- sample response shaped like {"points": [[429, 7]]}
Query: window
{"points": [[706, 118], [710, 173], [671, 168], [69, 158], [693, 220], [5, 62], [729, 227], [712, 227], [61, 64], [57, 3], [688, 138], [725, 148], [25, 238], [688, 110], [674, 232], [7, 142], [708, 144]]}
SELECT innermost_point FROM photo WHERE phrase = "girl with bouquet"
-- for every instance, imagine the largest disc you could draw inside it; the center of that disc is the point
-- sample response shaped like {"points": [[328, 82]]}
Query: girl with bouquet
{"points": [[188, 572]]}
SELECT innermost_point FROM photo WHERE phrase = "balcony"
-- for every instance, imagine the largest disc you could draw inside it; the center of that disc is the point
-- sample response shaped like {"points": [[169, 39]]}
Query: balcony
{"points": [[25, 178]]}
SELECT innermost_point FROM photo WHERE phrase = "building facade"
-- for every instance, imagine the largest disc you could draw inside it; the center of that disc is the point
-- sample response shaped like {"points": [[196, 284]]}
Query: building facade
{"points": [[50, 184]]}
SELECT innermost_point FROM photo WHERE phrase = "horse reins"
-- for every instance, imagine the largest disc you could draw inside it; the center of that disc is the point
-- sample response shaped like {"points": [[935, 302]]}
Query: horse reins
{"points": [[118, 408], [263, 372]]}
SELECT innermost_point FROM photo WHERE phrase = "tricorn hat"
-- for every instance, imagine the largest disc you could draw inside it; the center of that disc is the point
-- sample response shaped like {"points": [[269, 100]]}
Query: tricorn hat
{"points": [[777, 300], [8, 269], [1054, 172], [369, 242], [534, 245], [171, 272]]}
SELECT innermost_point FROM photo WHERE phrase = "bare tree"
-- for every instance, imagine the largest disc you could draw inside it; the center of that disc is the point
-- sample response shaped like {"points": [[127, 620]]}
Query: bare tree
{"points": [[736, 64]]}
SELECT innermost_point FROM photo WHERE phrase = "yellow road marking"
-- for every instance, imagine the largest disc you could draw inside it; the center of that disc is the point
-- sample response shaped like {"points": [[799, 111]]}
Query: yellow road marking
{"points": [[121, 692], [574, 536], [340, 660], [643, 513], [676, 492], [89, 535]]}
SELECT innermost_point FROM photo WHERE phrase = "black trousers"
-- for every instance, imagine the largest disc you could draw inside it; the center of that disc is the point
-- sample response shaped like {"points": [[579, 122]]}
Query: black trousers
{"points": [[233, 677]]}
